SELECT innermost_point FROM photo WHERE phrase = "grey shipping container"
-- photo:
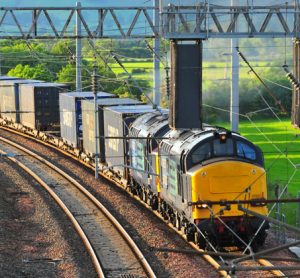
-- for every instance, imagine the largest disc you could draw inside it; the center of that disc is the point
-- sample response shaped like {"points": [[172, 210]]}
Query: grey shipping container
{"points": [[5, 77], [39, 105], [71, 115], [88, 120], [117, 121], [9, 98]]}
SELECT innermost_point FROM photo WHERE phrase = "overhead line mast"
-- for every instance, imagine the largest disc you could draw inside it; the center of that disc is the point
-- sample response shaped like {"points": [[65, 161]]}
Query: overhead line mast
{"points": [[78, 51]]}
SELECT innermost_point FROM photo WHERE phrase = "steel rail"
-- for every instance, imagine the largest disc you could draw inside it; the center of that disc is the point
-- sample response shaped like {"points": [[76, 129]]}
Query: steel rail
{"points": [[71, 217], [265, 252], [111, 218], [208, 258], [262, 268], [253, 202], [276, 270], [223, 254]]}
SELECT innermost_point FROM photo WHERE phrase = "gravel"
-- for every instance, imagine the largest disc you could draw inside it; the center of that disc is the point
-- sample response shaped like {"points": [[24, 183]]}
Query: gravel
{"points": [[37, 239]]}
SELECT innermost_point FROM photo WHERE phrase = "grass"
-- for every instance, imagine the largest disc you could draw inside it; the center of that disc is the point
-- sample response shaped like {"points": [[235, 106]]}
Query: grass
{"points": [[211, 70]]}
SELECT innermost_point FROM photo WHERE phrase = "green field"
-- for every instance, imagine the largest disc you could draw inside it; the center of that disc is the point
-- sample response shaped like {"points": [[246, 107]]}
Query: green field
{"points": [[146, 66], [211, 70]]}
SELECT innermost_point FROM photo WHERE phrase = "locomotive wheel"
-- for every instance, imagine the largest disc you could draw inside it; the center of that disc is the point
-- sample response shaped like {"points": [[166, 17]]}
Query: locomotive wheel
{"points": [[259, 241], [154, 203], [200, 241], [190, 233], [178, 223]]}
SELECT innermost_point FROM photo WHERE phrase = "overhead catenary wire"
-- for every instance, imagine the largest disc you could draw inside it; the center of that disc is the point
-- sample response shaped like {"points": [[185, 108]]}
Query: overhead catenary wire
{"points": [[277, 101]]}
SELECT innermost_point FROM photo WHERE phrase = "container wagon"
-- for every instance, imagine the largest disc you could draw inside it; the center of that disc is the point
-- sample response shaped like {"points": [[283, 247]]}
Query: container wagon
{"points": [[9, 98], [88, 120], [117, 121], [71, 115], [39, 105]]}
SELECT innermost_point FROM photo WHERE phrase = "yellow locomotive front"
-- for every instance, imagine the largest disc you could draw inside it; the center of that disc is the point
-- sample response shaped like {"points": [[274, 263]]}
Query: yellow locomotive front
{"points": [[231, 169]]}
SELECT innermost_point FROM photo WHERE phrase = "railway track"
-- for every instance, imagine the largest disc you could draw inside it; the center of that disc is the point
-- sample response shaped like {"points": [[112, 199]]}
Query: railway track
{"points": [[111, 249], [216, 263]]}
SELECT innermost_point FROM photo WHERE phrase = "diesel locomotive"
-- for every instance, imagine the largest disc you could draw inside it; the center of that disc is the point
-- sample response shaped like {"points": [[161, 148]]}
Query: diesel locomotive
{"points": [[172, 170]]}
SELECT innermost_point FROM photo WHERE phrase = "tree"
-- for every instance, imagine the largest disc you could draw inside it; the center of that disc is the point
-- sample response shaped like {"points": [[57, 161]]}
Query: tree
{"points": [[133, 89], [63, 47], [67, 74], [38, 72]]}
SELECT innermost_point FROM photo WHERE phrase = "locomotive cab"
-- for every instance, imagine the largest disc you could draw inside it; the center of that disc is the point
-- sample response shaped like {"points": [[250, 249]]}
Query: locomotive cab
{"points": [[214, 165]]}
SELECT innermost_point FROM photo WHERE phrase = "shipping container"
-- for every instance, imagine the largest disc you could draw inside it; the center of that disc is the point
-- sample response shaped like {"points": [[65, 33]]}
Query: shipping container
{"points": [[71, 116], [5, 77], [39, 105], [9, 98], [117, 121], [88, 119]]}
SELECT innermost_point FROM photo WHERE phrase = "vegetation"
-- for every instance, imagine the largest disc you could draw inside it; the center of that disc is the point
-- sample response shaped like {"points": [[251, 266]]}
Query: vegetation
{"points": [[55, 62]]}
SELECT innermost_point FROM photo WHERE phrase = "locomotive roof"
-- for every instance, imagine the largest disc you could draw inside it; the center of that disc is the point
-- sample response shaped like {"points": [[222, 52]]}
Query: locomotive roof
{"points": [[179, 140], [150, 123]]}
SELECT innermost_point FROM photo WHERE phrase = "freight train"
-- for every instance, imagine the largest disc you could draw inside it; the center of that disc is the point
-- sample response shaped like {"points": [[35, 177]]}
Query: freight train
{"points": [[177, 172]]}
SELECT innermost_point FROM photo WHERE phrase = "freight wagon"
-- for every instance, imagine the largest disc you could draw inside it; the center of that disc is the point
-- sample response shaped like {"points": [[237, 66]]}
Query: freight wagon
{"points": [[117, 121], [10, 99], [71, 115], [88, 120], [39, 105]]}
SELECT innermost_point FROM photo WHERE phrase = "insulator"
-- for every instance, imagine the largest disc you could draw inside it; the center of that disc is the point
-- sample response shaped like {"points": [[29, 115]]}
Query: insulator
{"points": [[167, 82], [292, 79], [94, 83], [168, 86]]}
